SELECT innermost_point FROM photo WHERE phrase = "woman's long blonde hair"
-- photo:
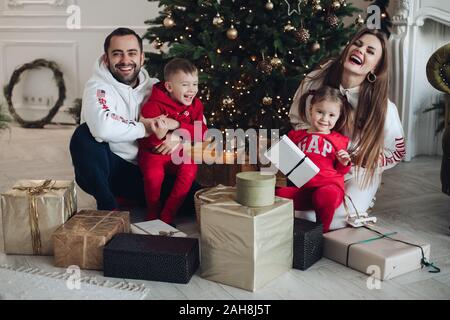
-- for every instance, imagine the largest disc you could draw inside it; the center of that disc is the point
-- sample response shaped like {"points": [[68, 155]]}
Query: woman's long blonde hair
{"points": [[370, 115]]}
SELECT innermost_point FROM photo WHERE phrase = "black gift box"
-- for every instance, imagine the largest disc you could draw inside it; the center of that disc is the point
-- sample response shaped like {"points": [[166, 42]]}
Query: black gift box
{"points": [[308, 243], [148, 257]]}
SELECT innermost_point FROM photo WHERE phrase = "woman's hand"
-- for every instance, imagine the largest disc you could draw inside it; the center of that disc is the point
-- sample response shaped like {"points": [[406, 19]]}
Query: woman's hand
{"points": [[169, 145], [343, 157]]}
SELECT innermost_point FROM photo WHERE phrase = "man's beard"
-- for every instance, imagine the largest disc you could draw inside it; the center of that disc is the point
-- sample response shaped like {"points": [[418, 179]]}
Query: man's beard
{"points": [[128, 80]]}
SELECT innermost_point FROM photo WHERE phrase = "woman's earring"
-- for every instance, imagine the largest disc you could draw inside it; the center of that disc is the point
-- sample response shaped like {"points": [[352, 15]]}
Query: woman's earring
{"points": [[371, 77]]}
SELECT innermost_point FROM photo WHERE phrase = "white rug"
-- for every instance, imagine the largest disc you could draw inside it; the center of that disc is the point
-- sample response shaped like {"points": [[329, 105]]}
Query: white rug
{"points": [[35, 284]]}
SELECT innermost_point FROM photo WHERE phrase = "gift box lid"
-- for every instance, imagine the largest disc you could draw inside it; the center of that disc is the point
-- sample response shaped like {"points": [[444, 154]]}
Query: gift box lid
{"points": [[156, 227], [255, 179], [138, 243]]}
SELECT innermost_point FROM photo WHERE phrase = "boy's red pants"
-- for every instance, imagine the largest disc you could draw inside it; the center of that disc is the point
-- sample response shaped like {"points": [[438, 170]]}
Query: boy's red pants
{"points": [[323, 200], [154, 167]]}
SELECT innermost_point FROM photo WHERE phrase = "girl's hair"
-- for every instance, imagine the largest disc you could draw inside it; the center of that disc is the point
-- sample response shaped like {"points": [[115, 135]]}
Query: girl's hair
{"points": [[326, 93], [369, 118]]}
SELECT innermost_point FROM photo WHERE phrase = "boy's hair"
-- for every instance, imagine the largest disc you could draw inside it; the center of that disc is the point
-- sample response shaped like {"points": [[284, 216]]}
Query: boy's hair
{"points": [[178, 64], [122, 32], [344, 123]]}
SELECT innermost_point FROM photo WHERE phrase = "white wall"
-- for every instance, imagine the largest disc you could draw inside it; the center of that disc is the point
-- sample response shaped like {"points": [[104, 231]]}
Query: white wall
{"points": [[30, 31]]}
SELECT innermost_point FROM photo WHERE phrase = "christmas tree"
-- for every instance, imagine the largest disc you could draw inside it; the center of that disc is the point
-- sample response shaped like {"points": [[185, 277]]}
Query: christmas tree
{"points": [[251, 55]]}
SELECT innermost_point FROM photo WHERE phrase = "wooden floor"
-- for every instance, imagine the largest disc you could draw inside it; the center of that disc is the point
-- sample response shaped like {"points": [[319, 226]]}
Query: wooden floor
{"points": [[409, 201]]}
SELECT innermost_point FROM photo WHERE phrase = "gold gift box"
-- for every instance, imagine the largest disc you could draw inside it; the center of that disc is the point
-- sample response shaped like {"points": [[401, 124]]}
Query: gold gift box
{"points": [[372, 253], [246, 247], [32, 210], [80, 240]]}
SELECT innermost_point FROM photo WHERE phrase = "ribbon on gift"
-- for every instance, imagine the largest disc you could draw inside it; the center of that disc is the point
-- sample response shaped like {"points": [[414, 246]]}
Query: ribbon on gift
{"points": [[33, 213], [297, 165], [86, 234], [423, 261]]}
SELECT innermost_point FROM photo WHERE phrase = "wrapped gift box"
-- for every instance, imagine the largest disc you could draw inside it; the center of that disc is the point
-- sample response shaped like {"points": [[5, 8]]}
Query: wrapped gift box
{"points": [[211, 195], [154, 258], [362, 249], [308, 243], [290, 160], [32, 210], [156, 228], [246, 247], [214, 169], [80, 240]]}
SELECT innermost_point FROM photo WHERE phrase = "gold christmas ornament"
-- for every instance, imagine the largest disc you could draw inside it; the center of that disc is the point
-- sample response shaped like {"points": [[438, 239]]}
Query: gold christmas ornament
{"points": [[265, 67], [332, 20], [276, 62], [218, 20], [302, 35], [289, 27], [168, 22], [336, 5], [232, 33], [267, 101], [315, 47], [269, 5]]}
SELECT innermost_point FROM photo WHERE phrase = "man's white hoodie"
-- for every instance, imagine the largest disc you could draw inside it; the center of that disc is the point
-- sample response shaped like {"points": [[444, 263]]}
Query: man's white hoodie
{"points": [[111, 110]]}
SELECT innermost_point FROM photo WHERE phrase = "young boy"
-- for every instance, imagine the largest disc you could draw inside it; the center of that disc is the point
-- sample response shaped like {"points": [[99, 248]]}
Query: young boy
{"points": [[174, 100]]}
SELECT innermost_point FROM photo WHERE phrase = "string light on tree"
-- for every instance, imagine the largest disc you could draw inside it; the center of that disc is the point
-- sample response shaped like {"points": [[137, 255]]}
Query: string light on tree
{"points": [[336, 5], [218, 20], [289, 27], [359, 20]]}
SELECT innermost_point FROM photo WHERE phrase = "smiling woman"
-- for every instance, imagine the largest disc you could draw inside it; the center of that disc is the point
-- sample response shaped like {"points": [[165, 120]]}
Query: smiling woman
{"points": [[360, 72]]}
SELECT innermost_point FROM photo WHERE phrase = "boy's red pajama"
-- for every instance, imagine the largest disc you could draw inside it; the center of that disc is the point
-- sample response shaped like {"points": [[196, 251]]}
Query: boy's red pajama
{"points": [[154, 167], [323, 200]]}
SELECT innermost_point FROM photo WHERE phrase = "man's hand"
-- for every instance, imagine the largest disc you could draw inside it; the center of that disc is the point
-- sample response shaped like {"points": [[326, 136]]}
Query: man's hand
{"points": [[156, 126], [343, 157], [169, 145], [172, 124]]}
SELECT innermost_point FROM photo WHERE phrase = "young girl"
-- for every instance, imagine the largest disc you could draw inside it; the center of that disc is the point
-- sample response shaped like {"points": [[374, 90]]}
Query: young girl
{"points": [[329, 114], [361, 73]]}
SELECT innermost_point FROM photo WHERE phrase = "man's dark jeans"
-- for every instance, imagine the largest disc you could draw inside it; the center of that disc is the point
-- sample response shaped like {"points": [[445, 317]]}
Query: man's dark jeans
{"points": [[105, 176]]}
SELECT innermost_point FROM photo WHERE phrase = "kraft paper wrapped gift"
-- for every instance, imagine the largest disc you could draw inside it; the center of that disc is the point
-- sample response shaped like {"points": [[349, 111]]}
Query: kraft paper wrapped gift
{"points": [[365, 250], [156, 228], [290, 160], [246, 247], [80, 241], [32, 210]]}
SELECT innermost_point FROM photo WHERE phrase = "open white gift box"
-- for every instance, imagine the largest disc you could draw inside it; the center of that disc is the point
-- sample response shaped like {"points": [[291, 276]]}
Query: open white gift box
{"points": [[291, 161]]}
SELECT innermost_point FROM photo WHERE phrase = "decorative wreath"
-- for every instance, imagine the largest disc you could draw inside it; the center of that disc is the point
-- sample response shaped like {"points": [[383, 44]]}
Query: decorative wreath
{"points": [[58, 76]]}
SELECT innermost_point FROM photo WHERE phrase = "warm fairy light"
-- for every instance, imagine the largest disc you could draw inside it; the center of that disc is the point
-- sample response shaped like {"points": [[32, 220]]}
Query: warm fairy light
{"points": [[218, 50]]}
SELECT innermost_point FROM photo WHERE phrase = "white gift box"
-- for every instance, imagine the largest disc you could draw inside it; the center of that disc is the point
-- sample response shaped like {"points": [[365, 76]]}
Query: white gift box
{"points": [[156, 228], [290, 160]]}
